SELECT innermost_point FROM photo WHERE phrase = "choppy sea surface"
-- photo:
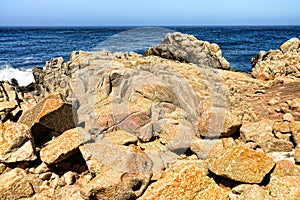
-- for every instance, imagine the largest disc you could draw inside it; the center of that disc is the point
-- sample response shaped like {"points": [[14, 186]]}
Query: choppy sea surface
{"points": [[22, 48]]}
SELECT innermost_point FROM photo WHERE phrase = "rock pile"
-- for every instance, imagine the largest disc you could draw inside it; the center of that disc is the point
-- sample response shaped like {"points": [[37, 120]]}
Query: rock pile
{"points": [[124, 126]]}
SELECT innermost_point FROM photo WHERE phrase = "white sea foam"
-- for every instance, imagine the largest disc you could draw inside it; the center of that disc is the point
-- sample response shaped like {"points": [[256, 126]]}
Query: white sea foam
{"points": [[23, 76]]}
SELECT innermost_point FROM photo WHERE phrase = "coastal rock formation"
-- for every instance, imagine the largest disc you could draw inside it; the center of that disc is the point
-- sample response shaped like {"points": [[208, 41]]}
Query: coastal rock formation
{"points": [[122, 126], [281, 62], [187, 48]]}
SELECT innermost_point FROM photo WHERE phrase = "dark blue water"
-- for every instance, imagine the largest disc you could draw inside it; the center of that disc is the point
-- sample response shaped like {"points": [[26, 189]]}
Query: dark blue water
{"points": [[31, 46]]}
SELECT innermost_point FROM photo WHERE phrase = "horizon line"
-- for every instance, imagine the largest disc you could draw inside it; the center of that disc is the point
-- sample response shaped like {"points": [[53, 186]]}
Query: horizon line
{"points": [[162, 25]]}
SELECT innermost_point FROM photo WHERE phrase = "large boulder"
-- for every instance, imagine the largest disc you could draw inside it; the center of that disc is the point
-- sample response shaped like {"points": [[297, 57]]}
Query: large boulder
{"points": [[281, 62], [51, 114], [126, 169], [187, 48], [185, 179], [62, 147], [16, 143], [241, 164]]}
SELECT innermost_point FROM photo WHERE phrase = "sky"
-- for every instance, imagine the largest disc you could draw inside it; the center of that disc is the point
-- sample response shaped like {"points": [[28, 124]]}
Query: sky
{"points": [[148, 12]]}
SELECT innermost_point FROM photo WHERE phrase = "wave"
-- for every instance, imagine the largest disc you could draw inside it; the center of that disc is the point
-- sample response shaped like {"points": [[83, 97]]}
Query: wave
{"points": [[23, 76]]}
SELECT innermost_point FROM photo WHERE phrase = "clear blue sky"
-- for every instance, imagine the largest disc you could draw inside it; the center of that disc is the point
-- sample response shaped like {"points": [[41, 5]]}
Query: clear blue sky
{"points": [[148, 12]]}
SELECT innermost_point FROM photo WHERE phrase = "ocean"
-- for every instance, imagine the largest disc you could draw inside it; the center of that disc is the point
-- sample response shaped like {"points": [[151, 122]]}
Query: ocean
{"points": [[22, 48]]}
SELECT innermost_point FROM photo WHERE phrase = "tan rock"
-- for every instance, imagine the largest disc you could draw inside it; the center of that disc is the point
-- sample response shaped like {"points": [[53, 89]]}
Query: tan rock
{"points": [[121, 137], [70, 177], [290, 45], [295, 129], [275, 63], [185, 179], [282, 127], [242, 164], [249, 192], [211, 120], [50, 114], [261, 134], [16, 143], [297, 154], [286, 168], [284, 187], [294, 104], [205, 148], [62, 147], [160, 156], [288, 117], [103, 158], [17, 183]]}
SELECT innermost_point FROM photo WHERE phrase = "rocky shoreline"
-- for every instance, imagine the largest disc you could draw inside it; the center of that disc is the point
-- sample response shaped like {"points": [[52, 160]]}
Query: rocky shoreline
{"points": [[177, 123]]}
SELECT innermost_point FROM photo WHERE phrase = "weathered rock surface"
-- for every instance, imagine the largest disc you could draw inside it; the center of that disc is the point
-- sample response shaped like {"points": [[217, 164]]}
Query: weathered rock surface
{"points": [[242, 164], [185, 180], [123, 168], [249, 192], [17, 184], [16, 143], [62, 147], [186, 48], [262, 134], [281, 62], [287, 187], [51, 114]]}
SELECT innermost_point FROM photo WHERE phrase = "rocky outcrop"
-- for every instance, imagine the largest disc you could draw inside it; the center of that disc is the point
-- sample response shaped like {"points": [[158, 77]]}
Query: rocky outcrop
{"points": [[187, 48], [281, 62], [124, 126]]}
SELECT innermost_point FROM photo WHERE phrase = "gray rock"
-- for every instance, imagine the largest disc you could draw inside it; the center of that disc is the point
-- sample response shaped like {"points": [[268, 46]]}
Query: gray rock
{"points": [[186, 48]]}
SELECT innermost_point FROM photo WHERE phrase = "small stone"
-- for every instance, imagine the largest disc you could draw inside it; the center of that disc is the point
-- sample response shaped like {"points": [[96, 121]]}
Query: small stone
{"points": [[297, 154], [278, 156], [2, 168], [282, 127], [261, 134], [42, 168], [70, 177], [295, 104], [274, 101], [295, 129], [288, 117], [45, 176]]}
